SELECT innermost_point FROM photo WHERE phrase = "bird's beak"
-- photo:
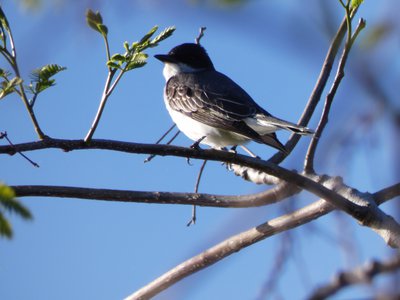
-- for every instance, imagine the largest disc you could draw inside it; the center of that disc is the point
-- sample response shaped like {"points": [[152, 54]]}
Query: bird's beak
{"points": [[165, 58]]}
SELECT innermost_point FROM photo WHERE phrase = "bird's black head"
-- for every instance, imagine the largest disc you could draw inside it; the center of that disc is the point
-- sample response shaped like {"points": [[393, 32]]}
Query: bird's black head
{"points": [[193, 55]]}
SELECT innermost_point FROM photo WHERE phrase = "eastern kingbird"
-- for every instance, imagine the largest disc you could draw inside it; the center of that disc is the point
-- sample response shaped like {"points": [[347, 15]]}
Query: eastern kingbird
{"points": [[212, 109]]}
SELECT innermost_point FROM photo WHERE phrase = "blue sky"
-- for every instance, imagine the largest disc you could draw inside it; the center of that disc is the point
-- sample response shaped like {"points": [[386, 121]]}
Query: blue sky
{"points": [[79, 249]]}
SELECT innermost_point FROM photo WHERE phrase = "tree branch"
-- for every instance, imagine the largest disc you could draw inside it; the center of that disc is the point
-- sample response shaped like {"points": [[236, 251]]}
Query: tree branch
{"points": [[273, 195], [363, 274], [240, 241], [231, 246], [309, 160], [360, 210], [103, 101], [317, 91], [387, 194]]}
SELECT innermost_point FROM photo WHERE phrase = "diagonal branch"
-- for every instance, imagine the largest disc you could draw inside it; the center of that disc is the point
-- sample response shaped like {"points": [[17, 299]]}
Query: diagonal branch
{"points": [[317, 91], [235, 244], [231, 246], [309, 161]]}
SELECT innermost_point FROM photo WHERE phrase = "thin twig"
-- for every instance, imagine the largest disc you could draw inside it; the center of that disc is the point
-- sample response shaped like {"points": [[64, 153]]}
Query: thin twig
{"points": [[103, 101], [107, 51], [309, 160], [150, 157], [248, 151], [12, 59], [196, 190], [201, 34], [165, 134], [4, 135], [317, 91]]}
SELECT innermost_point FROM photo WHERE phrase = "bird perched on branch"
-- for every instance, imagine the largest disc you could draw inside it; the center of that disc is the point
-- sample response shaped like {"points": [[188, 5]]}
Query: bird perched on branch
{"points": [[210, 108]]}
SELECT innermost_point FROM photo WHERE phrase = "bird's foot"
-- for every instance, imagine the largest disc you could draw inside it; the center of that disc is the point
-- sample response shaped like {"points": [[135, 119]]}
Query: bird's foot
{"points": [[233, 149]]}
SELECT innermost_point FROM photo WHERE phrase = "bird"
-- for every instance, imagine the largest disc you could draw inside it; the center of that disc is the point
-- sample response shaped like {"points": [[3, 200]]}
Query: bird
{"points": [[210, 108]]}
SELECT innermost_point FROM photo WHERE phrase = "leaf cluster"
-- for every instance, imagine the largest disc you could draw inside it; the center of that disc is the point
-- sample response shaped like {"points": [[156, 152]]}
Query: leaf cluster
{"points": [[42, 78], [8, 86], [134, 57]]}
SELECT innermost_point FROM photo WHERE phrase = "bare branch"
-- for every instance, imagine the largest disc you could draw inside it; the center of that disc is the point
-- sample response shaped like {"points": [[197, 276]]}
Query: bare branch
{"points": [[5, 136], [196, 190], [150, 157], [317, 91], [270, 196], [237, 243], [387, 194], [309, 161], [201, 34], [231, 246], [360, 275], [106, 93], [253, 175], [360, 209]]}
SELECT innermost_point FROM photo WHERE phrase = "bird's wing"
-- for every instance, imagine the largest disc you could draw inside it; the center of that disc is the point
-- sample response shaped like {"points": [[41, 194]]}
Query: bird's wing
{"points": [[213, 99], [212, 91]]}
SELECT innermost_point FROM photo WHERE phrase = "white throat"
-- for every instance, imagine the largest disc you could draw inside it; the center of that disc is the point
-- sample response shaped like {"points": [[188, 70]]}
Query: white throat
{"points": [[171, 69]]}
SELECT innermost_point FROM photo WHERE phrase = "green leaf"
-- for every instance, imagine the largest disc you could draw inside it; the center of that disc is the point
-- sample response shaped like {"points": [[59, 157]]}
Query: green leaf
{"points": [[118, 57], [3, 20], [103, 29], [134, 57], [42, 77], [49, 71], [4, 74], [137, 61], [113, 65], [5, 227], [8, 203], [135, 64], [6, 193], [126, 46], [356, 3], [140, 56], [166, 33], [148, 35], [95, 21], [134, 46], [8, 86]]}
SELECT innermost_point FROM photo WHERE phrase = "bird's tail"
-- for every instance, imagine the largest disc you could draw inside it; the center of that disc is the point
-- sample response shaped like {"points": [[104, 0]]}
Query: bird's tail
{"points": [[282, 124]]}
